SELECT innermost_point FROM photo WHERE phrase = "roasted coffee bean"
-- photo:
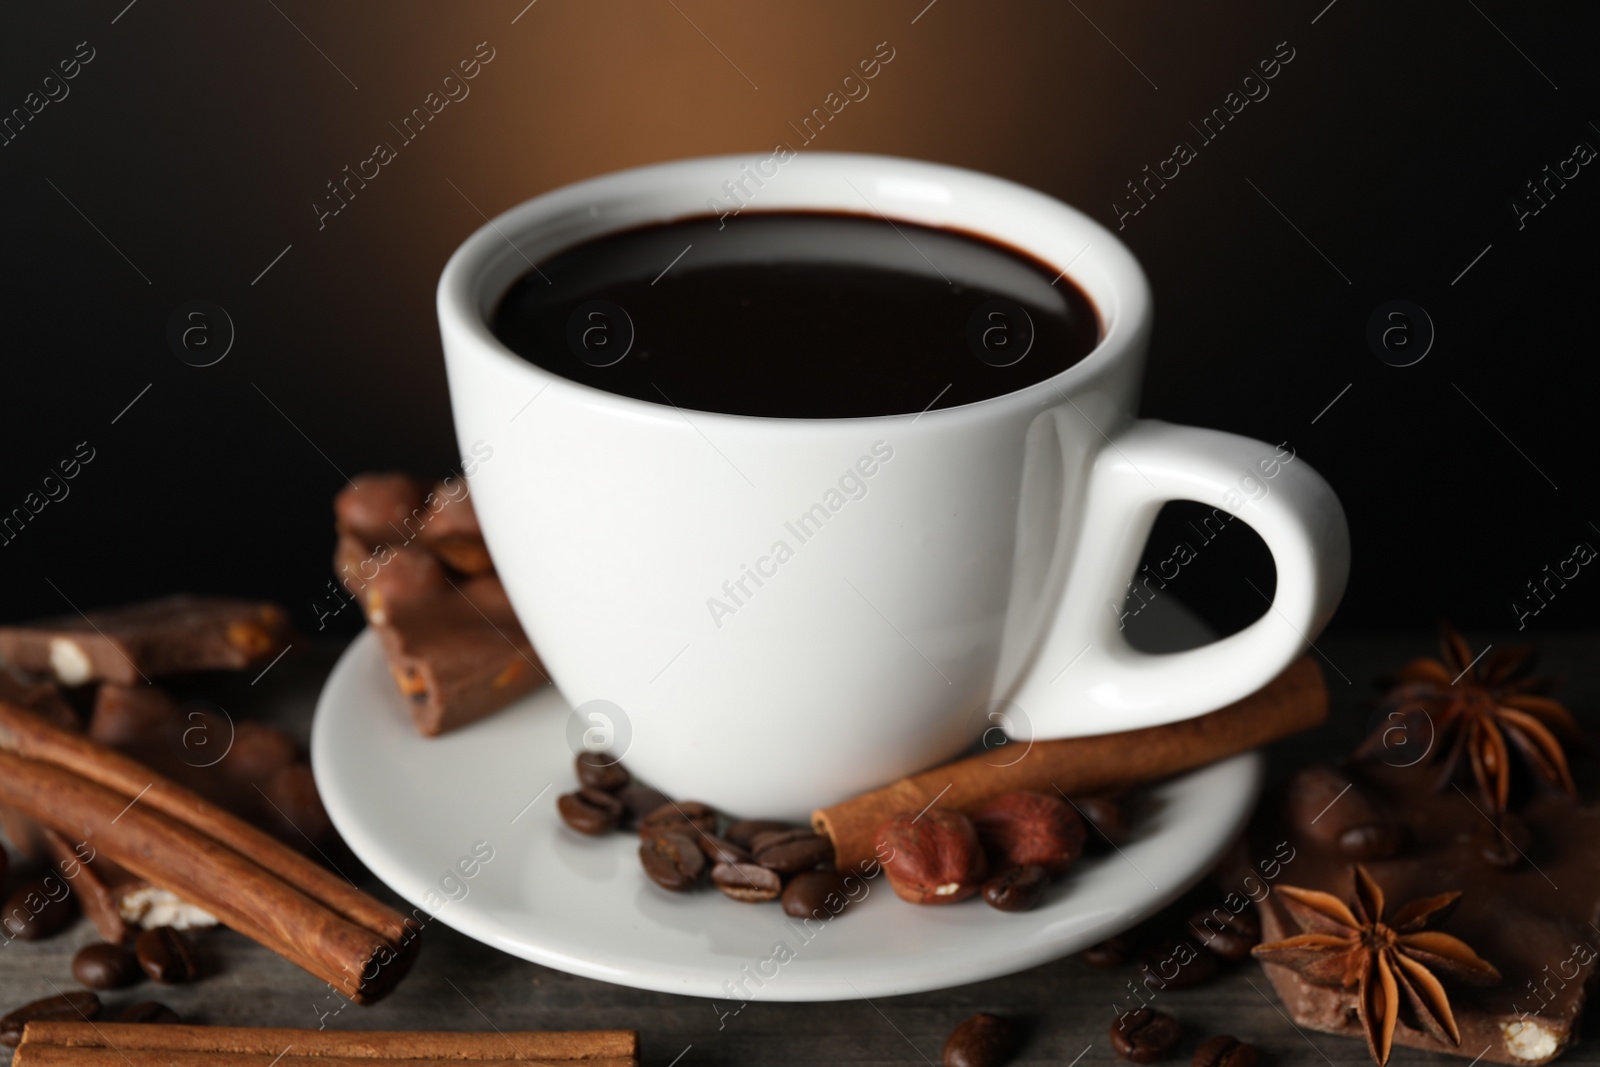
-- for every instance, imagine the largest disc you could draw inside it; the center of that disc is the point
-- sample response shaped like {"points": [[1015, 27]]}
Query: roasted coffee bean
{"points": [[1176, 964], [1504, 847], [67, 1007], [681, 815], [1225, 934], [1144, 1036], [40, 908], [749, 882], [148, 1011], [167, 956], [102, 965], [640, 800], [672, 860], [599, 771], [718, 850], [1115, 950], [1107, 819], [982, 1041], [788, 851], [1017, 889], [590, 811], [1374, 841], [743, 832], [1225, 1050], [817, 894]]}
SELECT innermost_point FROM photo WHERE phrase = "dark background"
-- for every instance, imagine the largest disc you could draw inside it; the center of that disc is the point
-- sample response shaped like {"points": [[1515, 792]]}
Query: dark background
{"points": [[1385, 160]]}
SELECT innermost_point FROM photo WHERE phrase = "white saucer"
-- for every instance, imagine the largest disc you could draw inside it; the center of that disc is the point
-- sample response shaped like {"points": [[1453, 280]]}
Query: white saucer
{"points": [[411, 808]]}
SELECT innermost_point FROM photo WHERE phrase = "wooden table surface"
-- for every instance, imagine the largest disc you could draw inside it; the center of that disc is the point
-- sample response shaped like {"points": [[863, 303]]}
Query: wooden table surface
{"points": [[1066, 1006]]}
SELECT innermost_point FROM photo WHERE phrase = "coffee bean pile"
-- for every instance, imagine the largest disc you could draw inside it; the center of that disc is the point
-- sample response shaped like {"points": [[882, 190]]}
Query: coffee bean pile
{"points": [[683, 844], [41, 908]]}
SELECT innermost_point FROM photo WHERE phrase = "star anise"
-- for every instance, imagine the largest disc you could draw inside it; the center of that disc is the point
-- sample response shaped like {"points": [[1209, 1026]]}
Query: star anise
{"points": [[1476, 708], [1390, 962]]}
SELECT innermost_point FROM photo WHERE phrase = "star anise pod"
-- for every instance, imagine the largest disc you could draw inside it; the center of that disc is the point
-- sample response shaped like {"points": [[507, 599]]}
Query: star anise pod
{"points": [[1392, 963], [1479, 711]]}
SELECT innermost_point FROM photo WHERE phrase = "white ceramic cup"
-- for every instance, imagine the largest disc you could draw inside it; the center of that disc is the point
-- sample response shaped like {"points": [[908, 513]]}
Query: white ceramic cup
{"points": [[938, 573]]}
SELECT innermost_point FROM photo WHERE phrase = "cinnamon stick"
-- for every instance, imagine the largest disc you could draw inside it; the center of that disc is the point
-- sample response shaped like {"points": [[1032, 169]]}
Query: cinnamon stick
{"points": [[56, 1056], [1295, 700], [27, 734], [49, 1043], [165, 852]]}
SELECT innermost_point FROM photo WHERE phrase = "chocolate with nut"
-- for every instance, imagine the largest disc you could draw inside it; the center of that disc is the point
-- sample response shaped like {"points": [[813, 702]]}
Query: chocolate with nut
{"points": [[415, 561], [137, 642], [1532, 921]]}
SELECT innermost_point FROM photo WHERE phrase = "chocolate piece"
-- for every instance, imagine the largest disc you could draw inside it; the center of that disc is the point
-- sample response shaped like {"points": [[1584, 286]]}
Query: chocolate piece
{"points": [[1329, 808], [294, 812], [459, 654], [385, 575], [1539, 936], [380, 508], [37, 694], [455, 647], [136, 642], [453, 534], [132, 714], [258, 752], [118, 902], [257, 772]]}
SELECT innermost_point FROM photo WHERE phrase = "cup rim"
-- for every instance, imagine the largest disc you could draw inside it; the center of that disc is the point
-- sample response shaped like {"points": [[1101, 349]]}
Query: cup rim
{"points": [[1118, 288]]}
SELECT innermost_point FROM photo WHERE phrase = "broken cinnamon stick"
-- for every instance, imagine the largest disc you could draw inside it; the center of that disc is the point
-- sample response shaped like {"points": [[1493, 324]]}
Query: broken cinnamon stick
{"points": [[26, 734], [248, 898], [1295, 700], [45, 1044]]}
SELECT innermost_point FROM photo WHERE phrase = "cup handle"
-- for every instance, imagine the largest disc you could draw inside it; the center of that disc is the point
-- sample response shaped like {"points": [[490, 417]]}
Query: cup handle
{"points": [[1085, 677]]}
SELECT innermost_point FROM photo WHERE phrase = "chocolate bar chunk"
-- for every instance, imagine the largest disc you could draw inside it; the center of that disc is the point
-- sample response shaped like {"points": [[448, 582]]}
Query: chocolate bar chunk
{"points": [[116, 900], [257, 772], [452, 533], [384, 575], [141, 641], [458, 654], [380, 508], [416, 563], [1529, 905]]}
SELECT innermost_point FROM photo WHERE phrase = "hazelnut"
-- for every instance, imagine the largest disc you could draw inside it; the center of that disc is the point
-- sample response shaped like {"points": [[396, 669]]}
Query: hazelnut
{"points": [[932, 858], [1025, 829]]}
